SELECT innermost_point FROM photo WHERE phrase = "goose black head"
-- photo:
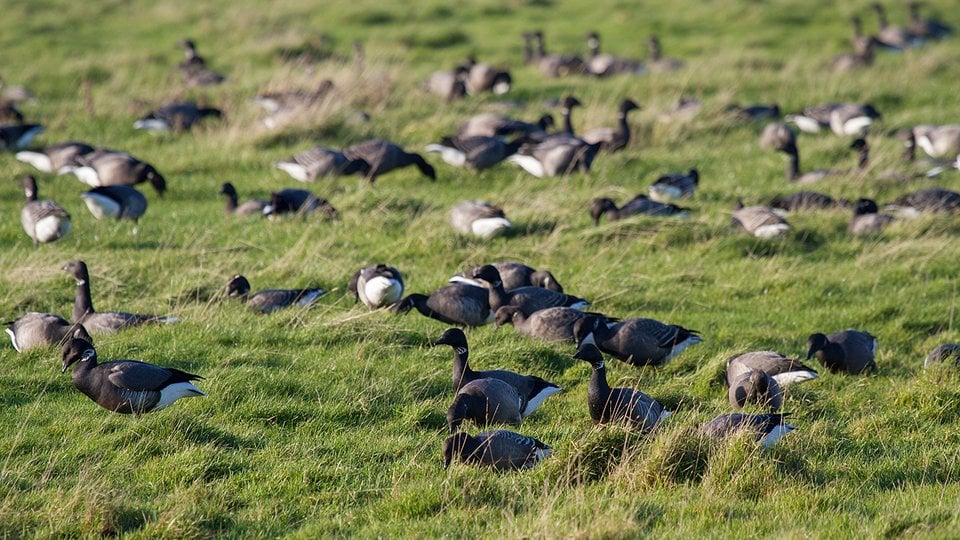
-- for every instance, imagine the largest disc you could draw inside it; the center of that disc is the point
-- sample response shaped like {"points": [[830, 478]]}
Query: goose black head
{"points": [[585, 327], [238, 286], [543, 278], [505, 315], [628, 105], [865, 206], [600, 206], [570, 102], [816, 342], [77, 269], [588, 352], [156, 180], [488, 273], [460, 445], [77, 350], [228, 189], [453, 337]]}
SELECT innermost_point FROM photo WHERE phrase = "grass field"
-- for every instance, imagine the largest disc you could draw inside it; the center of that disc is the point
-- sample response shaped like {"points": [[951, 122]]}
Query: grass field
{"points": [[329, 421]]}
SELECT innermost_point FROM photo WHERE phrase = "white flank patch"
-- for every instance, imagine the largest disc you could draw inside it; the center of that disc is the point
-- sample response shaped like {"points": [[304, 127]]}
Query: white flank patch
{"points": [[537, 400], [664, 193], [13, 339], [151, 124], [450, 155], [297, 171], [529, 164], [926, 145], [663, 415], [176, 391], [38, 160], [776, 434], [579, 306], [308, 298], [381, 291], [268, 104], [489, 227], [51, 228], [903, 211], [465, 281], [858, 125], [268, 210], [808, 125], [168, 320], [780, 212], [101, 206], [937, 171], [87, 175], [501, 88], [772, 231], [680, 347], [793, 377]]}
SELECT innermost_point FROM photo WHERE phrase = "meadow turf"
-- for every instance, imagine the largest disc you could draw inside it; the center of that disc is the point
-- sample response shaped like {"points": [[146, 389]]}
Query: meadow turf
{"points": [[329, 421]]}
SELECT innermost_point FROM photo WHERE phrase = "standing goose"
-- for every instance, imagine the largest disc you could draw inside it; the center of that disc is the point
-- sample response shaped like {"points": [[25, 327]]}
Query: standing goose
{"points": [[479, 218], [35, 329], [126, 386], [112, 168], [459, 304], [271, 300], [867, 219], [551, 324], [614, 405], [783, 370], [804, 200], [534, 390], [939, 354], [889, 35], [102, 322], [613, 139], [498, 125], [848, 351], [756, 387], [769, 428], [528, 299], [384, 156], [478, 152], [248, 208], [319, 161], [377, 286], [638, 342], [486, 401], [639, 205], [298, 201], [656, 61], [176, 117], [59, 158], [675, 185], [926, 200], [514, 275], [760, 221], [925, 28], [501, 450], [43, 221], [602, 64], [16, 136], [116, 202]]}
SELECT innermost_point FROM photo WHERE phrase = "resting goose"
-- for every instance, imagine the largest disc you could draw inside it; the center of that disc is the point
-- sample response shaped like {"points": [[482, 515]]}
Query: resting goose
{"points": [[760, 221], [449, 85], [602, 65], [926, 200], [556, 156], [384, 156], [271, 300], [613, 139], [925, 28], [377, 286], [675, 185], [35, 329], [16, 136], [514, 275], [842, 118], [942, 141], [770, 428], [804, 200], [551, 324], [116, 202], [551, 65], [753, 113], [756, 387], [194, 68], [500, 450], [783, 370], [104, 167], [248, 208], [319, 161], [528, 299], [59, 158], [479, 218], [298, 201], [639, 205], [477, 152], [638, 342], [866, 218], [848, 351], [458, 304], [940, 354], [126, 386], [617, 405], [43, 221], [486, 401], [102, 322], [498, 125], [656, 61], [483, 77]]}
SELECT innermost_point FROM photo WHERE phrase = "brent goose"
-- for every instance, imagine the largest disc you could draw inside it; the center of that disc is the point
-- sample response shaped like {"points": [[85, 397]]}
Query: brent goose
{"points": [[760, 221], [921, 28], [377, 285], [298, 201], [270, 300], [781, 138], [459, 304], [863, 50], [757, 387], [479, 218], [656, 60], [602, 64], [613, 139], [16, 136], [126, 386], [449, 85], [939, 354], [639, 205], [309, 165], [35, 329], [104, 167], [638, 342], [486, 401], [550, 65], [889, 35], [769, 428], [753, 113], [500, 449], [384, 156], [926, 200], [176, 117], [477, 152], [842, 118], [513, 275], [529, 299], [43, 221], [674, 185], [498, 125], [194, 68], [115, 202], [613, 405], [805, 200], [848, 351], [551, 324], [248, 208], [784, 370], [937, 141], [557, 155], [483, 77], [59, 158], [866, 218]]}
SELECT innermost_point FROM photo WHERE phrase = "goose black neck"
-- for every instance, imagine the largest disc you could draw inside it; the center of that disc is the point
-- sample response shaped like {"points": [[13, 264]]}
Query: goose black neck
{"points": [[498, 296], [231, 205], [864, 158], [83, 304], [567, 123], [624, 127], [598, 392], [793, 165], [462, 373]]}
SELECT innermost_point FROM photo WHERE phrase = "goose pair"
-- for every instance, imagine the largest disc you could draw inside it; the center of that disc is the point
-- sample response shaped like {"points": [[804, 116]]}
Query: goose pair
{"points": [[527, 299], [17, 136], [760, 221], [843, 119], [371, 158], [270, 300], [298, 201], [758, 377], [59, 158], [377, 285], [35, 329], [551, 324], [513, 275], [43, 221], [638, 342], [639, 205], [194, 68], [848, 351], [479, 218], [176, 117], [601, 64]]}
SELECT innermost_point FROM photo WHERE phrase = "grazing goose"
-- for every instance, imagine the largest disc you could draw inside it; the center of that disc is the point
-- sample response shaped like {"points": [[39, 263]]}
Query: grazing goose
{"points": [[614, 405], [377, 286], [760, 221], [939, 355], [842, 118], [501, 450], [602, 65], [551, 324], [271, 300], [176, 117], [319, 161], [486, 401], [116, 202], [655, 59], [478, 152], [298, 201], [479, 218], [449, 85], [59, 158], [35, 329], [102, 322], [126, 386], [638, 342], [459, 304], [926, 200], [483, 77], [551, 65], [248, 208], [891, 36], [534, 390], [675, 186], [925, 28], [194, 68], [274, 102], [848, 351], [783, 370], [557, 155], [769, 428], [43, 221], [384, 156], [639, 205], [16, 136], [804, 200], [753, 113], [613, 139], [498, 125], [112, 168], [528, 299], [866, 218], [514, 275], [755, 387]]}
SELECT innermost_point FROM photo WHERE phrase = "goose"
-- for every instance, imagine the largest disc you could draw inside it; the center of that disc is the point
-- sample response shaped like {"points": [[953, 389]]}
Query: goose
{"points": [[639, 205], [842, 118], [194, 68], [35, 329], [377, 285], [556, 156], [176, 117], [602, 65], [939, 354], [528, 299], [925, 28], [115, 202], [498, 125], [17, 136], [770, 428], [783, 370], [58, 158], [126, 386], [926, 200], [104, 167], [514, 275], [477, 152], [274, 102], [674, 186], [613, 139], [614, 405], [459, 304], [479, 218], [863, 50], [449, 85], [753, 113], [534, 390], [756, 387], [248, 208], [804, 200], [567, 104], [298, 201], [270, 300], [551, 324], [552, 65], [486, 401], [311, 164], [937, 141], [781, 138], [638, 342], [760, 221], [43, 221], [384, 156], [891, 36], [866, 218], [848, 351], [500, 450], [684, 110], [102, 322], [483, 77], [655, 59]]}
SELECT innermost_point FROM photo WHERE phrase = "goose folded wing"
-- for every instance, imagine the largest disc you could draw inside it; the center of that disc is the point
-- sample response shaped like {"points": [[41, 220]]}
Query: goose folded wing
{"points": [[138, 376]]}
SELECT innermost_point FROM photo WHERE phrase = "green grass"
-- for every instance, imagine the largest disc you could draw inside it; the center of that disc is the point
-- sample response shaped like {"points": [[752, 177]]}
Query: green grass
{"points": [[329, 421]]}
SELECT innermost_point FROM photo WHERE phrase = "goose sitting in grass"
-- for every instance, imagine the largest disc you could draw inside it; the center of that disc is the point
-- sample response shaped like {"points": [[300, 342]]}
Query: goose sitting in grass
{"points": [[498, 125], [485, 402], [482, 77], [479, 218], [248, 208], [17, 136], [384, 156], [556, 156], [603, 64], [551, 324], [769, 428], [319, 161], [115, 202], [194, 67], [459, 304], [477, 152], [613, 139], [270, 300], [780, 137], [639, 205], [528, 299], [377, 286], [104, 167], [783, 369], [58, 158], [889, 35], [638, 342], [848, 351], [176, 117], [298, 201], [937, 141], [514, 275], [550, 64], [675, 186], [866, 218], [925, 29], [35, 329], [617, 405], [946, 352], [655, 59], [449, 85], [760, 221], [753, 113], [930, 200], [43, 221], [501, 450]]}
